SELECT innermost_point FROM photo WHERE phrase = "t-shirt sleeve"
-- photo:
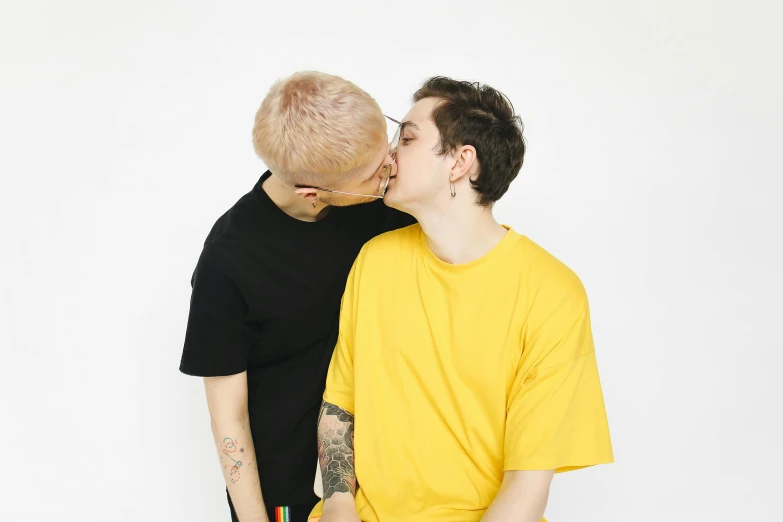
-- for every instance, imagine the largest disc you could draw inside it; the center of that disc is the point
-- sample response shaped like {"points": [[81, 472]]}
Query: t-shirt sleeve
{"points": [[218, 339], [340, 379], [556, 418]]}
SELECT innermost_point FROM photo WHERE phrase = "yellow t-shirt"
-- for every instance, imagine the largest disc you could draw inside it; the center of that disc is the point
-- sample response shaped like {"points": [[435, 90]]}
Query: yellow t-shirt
{"points": [[456, 373]]}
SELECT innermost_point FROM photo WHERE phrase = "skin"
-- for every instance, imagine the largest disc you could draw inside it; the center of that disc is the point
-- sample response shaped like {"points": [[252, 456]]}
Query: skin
{"points": [[227, 402], [298, 202]]}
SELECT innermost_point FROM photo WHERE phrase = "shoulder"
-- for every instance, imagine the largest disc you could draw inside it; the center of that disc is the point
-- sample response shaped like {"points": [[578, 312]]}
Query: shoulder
{"points": [[237, 225], [388, 249], [557, 314], [216, 265], [547, 276], [395, 241], [223, 249]]}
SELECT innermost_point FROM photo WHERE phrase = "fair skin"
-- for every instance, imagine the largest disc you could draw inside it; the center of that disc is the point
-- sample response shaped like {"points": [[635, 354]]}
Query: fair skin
{"points": [[298, 202], [227, 396], [522, 497], [458, 231], [227, 401]]}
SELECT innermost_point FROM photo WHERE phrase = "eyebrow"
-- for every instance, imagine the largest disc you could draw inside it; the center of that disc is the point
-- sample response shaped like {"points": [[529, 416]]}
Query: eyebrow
{"points": [[409, 124]]}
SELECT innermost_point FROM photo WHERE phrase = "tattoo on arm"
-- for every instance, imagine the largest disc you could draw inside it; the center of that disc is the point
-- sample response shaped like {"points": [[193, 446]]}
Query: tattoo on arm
{"points": [[229, 447], [335, 450]]}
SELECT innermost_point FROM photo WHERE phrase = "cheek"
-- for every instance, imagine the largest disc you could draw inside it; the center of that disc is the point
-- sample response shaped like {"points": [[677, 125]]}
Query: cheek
{"points": [[416, 175], [413, 163], [370, 186]]}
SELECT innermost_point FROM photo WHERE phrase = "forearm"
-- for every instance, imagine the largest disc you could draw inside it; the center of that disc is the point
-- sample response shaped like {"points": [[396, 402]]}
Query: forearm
{"points": [[522, 497], [336, 457], [238, 461]]}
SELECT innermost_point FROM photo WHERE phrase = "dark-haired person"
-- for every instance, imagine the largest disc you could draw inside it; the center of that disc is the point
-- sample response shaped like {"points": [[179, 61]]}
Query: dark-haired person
{"points": [[464, 375]]}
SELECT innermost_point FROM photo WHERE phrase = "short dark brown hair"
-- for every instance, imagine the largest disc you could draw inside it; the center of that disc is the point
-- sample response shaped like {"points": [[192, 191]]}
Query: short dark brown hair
{"points": [[474, 114]]}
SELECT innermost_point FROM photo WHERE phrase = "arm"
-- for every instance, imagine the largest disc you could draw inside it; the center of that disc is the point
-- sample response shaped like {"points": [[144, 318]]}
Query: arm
{"points": [[522, 497], [335, 455], [227, 400], [555, 416]]}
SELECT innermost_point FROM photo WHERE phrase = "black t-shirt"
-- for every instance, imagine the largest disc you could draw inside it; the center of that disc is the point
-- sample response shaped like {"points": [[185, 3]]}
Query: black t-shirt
{"points": [[266, 299]]}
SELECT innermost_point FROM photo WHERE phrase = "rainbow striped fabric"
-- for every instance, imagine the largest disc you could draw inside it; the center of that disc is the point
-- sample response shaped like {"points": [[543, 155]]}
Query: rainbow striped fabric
{"points": [[283, 514]]}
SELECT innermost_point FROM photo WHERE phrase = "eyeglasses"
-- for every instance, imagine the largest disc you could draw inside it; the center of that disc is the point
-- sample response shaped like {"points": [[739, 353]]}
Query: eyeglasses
{"points": [[387, 169]]}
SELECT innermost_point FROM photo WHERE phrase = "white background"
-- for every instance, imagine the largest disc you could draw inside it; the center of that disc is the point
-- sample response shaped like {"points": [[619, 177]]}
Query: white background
{"points": [[654, 171]]}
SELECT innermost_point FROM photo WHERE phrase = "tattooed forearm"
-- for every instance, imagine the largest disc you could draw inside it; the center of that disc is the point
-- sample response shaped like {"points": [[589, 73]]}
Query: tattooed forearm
{"points": [[335, 450], [229, 447]]}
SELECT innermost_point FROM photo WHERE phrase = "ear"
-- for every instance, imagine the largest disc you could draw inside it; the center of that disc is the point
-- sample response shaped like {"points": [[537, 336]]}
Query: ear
{"points": [[307, 194], [465, 162]]}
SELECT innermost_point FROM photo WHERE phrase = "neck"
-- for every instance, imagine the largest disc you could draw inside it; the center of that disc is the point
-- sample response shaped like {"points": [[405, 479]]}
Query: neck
{"points": [[462, 232], [290, 202]]}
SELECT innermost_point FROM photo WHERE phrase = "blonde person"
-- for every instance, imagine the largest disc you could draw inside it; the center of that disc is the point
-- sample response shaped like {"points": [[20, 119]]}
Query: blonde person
{"points": [[267, 287], [465, 374]]}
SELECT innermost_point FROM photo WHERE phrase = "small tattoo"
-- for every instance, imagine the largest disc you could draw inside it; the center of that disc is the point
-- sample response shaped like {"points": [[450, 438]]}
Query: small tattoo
{"points": [[229, 446]]}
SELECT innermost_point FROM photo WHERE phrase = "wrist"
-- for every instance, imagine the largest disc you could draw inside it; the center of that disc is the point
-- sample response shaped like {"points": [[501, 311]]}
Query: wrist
{"points": [[339, 502]]}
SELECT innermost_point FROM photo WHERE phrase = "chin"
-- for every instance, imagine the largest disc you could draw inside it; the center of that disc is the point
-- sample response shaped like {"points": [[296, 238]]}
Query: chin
{"points": [[390, 200]]}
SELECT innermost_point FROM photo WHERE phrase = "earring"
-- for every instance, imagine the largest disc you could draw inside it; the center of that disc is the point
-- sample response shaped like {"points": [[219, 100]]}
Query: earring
{"points": [[315, 202], [452, 187]]}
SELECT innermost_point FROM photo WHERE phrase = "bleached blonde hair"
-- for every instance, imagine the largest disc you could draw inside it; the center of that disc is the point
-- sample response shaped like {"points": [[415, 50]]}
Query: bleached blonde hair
{"points": [[314, 128]]}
